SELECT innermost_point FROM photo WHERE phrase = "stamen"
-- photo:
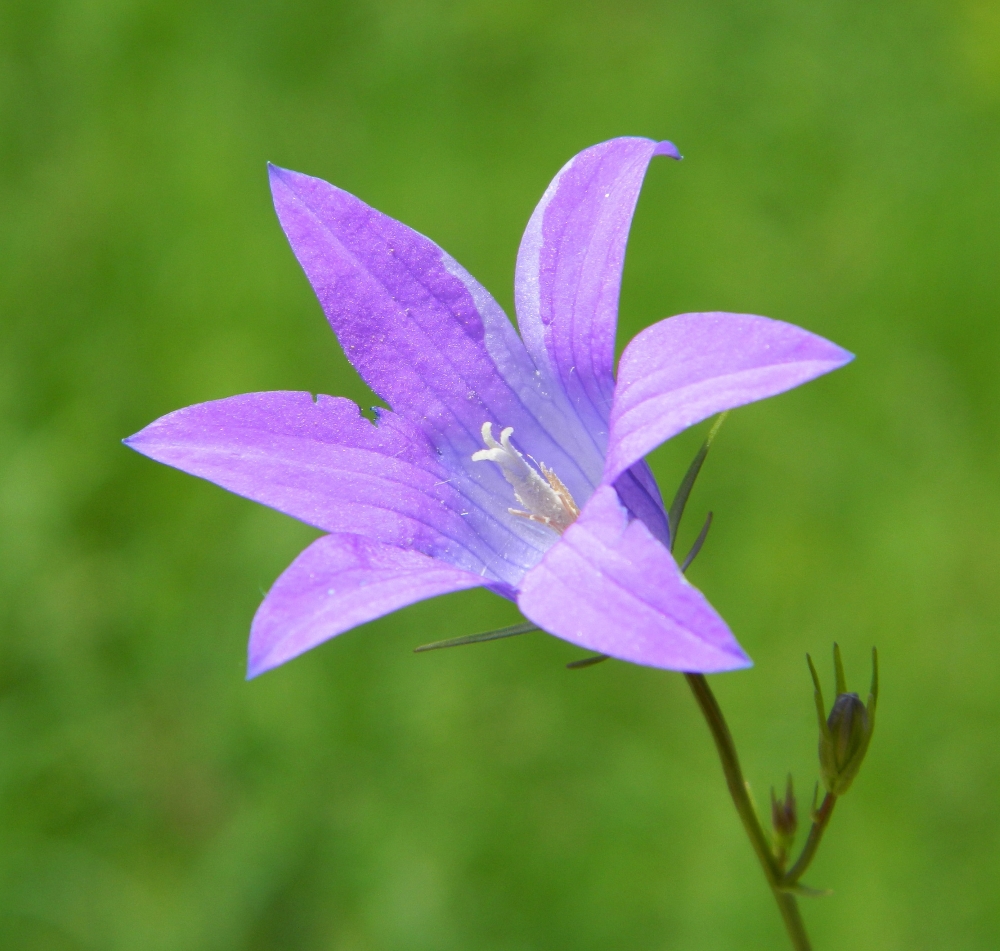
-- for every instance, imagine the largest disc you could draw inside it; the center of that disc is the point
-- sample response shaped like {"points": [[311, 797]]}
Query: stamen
{"points": [[545, 500]]}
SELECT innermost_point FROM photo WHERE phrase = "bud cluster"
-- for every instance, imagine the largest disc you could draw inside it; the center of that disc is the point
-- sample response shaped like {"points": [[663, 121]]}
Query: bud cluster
{"points": [[785, 822]]}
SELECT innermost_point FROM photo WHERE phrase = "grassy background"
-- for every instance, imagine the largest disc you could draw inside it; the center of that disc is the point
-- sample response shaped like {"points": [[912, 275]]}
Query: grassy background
{"points": [[841, 172]]}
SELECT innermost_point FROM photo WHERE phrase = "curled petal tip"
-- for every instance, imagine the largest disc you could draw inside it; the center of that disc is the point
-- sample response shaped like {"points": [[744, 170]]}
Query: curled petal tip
{"points": [[668, 149]]}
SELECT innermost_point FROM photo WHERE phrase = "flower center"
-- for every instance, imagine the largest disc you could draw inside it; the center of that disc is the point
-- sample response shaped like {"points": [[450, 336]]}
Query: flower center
{"points": [[545, 500]]}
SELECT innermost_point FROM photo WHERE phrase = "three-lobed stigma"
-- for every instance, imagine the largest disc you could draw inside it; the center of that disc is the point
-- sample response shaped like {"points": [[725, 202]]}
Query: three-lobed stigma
{"points": [[545, 500]]}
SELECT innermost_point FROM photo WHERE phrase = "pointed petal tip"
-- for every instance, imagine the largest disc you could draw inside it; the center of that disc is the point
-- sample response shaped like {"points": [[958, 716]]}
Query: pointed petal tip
{"points": [[729, 661], [276, 174], [284, 178], [721, 661], [136, 440], [263, 656], [845, 357], [257, 666], [718, 661], [833, 358], [714, 659], [683, 369], [668, 149]]}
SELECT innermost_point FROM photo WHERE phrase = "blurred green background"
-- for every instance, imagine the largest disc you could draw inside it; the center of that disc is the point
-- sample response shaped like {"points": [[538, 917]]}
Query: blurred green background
{"points": [[841, 172]]}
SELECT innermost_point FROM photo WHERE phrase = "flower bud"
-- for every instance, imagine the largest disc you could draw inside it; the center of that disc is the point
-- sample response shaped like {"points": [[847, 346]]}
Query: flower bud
{"points": [[844, 735], [841, 753], [785, 821]]}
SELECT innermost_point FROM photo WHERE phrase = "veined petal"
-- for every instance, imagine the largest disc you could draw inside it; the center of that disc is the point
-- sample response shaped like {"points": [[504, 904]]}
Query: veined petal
{"points": [[425, 335], [339, 582], [686, 368], [569, 269], [321, 461], [640, 494], [610, 586]]}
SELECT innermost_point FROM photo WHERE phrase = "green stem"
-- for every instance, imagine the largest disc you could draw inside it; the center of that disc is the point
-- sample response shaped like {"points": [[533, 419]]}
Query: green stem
{"points": [[787, 904], [820, 821]]}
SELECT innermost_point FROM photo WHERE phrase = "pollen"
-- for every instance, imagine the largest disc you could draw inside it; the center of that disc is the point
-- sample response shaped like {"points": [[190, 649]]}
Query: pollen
{"points": [[544, 497]]}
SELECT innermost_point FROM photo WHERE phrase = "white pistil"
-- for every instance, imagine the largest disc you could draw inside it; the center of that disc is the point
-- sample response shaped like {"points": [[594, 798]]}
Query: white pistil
{"points": [[545, 500]]}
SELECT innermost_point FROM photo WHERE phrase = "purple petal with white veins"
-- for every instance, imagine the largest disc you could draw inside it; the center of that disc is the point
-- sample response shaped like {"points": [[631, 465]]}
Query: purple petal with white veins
{"points": [[610, 586], [427, 337], [686, 368], [569, 270], [322, 462], [339, 582]]}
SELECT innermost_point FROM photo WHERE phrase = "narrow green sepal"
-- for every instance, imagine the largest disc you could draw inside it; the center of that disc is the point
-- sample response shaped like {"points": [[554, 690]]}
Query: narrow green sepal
{"points": [[524, 628], [687, 483], [587, 662], [698, 542], [818, 696], [838, 670]]}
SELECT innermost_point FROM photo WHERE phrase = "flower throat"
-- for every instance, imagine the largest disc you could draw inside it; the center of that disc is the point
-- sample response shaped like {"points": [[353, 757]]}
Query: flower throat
{"points": [[545, 500]]}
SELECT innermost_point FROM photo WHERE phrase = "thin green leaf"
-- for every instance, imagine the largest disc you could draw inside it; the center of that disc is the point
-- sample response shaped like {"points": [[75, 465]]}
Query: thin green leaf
{"points": [[515, 629], [687, 483]]}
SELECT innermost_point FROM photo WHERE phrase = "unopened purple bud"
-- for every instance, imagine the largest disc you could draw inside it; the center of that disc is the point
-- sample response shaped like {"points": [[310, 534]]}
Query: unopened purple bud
{"points": [[845, 734], [843, 748]]}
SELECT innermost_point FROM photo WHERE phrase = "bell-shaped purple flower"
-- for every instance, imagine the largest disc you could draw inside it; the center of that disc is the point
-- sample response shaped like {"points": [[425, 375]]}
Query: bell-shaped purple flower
{"points": [[509, 461]]}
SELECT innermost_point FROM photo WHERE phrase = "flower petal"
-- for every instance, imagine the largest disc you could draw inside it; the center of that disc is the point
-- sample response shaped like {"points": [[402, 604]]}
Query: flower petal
{"points": [[569, 269], [322, 462], [610, 586], [640, 494], [426, 336], [339, 582], [686, 368]]}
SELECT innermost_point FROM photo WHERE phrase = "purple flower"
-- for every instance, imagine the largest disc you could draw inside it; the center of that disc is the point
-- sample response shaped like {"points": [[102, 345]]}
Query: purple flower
{"points": [[510, 462]]}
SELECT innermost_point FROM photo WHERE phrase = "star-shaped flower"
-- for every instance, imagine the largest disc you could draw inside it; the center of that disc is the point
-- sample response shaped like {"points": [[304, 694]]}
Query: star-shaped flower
{"points": [[510, 462]]}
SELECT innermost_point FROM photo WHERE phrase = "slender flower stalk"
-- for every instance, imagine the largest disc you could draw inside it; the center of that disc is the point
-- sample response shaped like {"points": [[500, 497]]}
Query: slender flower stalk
{"points": [[838, 777], [821, 819], [844, 739], [738, 790]]}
